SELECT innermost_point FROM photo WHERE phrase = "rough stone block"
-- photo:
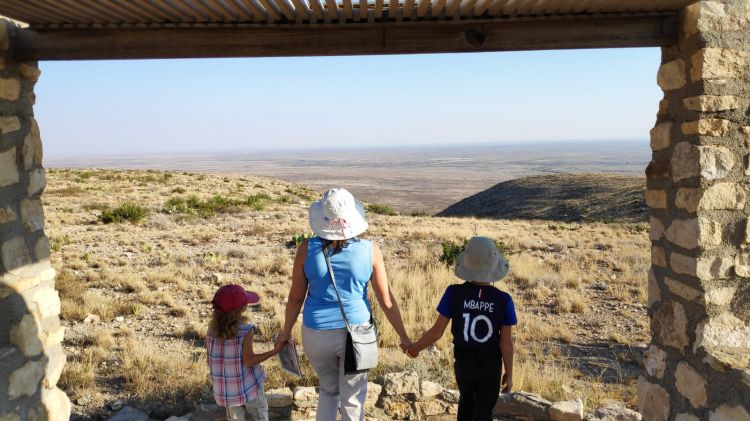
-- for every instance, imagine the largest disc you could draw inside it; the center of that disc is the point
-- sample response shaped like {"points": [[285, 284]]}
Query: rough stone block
{"points": [[567, 410], [711, 103], [25, 381], [656, 199], [8, 168], [373, 394], [654, 293], [54, 336], [41, 249], [718, 63], [693, 233], [691, 385], [688, 198], [47, 302], [657, 170], [26, 336], [655, 361], [723, 196], [14, 253], [9, 88], [32, 214], [685, 162], [746, 133], [522, 404], [680, 289], [279, 398], [661, 136], [305, 397], [9, 124], [706, 127], [29, 72], [723, 333], [429, 408], [37, 182], [614, 412], [663, 107], [429, 389], [715, 162], [720, 296], [658, 256], [729, 413], [686, 417], [32, 147], [656, 228], [401, 384], [6, 215], [708, 16], [653, 401], [669, 325], [672, 75], [397, 408], [55, 364]]}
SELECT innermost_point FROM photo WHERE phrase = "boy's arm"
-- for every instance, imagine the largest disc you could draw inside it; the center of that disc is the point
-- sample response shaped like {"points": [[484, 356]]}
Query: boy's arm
{"points": [[430, 337], [506, 347], [250, 358]]}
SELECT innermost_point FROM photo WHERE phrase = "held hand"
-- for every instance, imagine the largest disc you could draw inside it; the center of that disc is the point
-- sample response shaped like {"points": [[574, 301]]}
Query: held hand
{"points": [[278, 346], [282, 339], [507, 383], [411, 352], [405, 343]]}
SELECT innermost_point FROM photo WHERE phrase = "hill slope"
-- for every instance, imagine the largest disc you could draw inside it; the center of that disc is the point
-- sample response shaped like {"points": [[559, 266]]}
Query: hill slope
{"points": [[559, 197]]}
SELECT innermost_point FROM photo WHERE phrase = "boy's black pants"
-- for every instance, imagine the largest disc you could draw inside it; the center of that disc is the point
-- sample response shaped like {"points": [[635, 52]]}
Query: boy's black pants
{"points": [[478, 379]]}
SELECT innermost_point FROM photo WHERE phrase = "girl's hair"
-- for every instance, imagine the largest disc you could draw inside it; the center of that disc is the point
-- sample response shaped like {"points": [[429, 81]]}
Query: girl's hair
{"points": [[224, 325]]}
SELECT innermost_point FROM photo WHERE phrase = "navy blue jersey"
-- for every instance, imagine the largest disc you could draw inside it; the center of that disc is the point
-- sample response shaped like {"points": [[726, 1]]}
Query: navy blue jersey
{"points": [[477, 312]]}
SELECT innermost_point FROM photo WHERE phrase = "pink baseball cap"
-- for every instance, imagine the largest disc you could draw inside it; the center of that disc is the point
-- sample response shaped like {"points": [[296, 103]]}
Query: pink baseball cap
{"points": [[231, 297]]}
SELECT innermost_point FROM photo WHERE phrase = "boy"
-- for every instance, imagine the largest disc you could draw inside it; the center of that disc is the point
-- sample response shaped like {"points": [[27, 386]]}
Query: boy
{"points": [[481, 319]]}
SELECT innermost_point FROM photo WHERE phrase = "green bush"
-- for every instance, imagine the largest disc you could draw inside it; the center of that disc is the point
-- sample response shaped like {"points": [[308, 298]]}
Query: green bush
{"points": [[192, 205], [381, 209], [451, 250], [297, 239], [125, 212]]}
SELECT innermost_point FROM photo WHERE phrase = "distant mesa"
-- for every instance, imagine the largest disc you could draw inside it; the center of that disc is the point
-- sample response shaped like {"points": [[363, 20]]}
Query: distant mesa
{"points": [[559, 197]]}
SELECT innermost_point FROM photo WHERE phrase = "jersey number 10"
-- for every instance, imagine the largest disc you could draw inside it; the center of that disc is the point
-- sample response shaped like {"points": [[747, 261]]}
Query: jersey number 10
{"points": [[470, 328]]}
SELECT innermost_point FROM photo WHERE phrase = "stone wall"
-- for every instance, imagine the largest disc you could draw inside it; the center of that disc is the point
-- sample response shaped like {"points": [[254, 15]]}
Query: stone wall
{"points": [[698, 364], [31, 354]]}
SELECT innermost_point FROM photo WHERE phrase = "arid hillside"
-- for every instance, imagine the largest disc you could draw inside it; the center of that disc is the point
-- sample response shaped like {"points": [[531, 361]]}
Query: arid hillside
{"points": [[139, 255], [559, 197]]}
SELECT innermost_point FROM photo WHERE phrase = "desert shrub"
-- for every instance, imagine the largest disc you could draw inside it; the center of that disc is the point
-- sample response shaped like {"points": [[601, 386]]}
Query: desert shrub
{"points": [[216, 204], [297, 239], [179, 190], [381, 209], [451, 250], [125, 212], [419, 213]]}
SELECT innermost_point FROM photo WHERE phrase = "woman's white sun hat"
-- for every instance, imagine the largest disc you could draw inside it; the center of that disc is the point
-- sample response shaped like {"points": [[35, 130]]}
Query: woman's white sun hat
{"points": [[337, 216], [481, 262]]}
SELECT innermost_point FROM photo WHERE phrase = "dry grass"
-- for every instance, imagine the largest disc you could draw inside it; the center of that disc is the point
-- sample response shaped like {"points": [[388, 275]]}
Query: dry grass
{"points": [[161, 274]]}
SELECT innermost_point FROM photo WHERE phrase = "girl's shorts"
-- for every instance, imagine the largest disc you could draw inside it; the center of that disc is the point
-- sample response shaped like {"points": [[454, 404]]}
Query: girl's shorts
{"points": [[255, 410]]}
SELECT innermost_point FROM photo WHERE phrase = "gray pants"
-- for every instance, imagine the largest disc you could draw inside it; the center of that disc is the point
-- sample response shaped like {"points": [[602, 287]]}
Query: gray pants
{"points": [[325, 350], [256, 409]]}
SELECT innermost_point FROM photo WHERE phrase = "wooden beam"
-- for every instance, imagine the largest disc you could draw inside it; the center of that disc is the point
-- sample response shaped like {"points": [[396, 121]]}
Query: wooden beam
{"points": [[351, 39]]}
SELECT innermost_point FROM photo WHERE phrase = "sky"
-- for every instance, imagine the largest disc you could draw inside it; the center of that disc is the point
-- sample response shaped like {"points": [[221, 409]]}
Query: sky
{"points": [[223, 105]]}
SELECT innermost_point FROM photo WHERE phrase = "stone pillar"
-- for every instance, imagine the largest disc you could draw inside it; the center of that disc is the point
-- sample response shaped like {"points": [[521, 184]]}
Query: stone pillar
{"points": [[697, 366], [31, 354]]}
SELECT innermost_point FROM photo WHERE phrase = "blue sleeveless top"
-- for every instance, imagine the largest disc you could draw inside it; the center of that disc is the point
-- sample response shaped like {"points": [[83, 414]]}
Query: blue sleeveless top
{"points": [[353, 269]]}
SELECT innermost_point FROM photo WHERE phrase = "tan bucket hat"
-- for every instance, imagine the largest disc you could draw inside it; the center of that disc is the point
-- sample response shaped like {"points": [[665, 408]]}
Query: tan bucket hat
{"points": [[337, 216], [481, 262]]}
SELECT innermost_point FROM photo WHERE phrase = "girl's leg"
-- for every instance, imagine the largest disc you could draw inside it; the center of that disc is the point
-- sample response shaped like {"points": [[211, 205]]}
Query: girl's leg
{"points": [[488, 389], [257, 409], [466, 379], [236, 413], [323, 348]]}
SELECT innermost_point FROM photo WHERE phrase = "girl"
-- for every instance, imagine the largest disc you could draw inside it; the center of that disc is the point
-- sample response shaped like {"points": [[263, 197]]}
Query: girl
{"points": [[236, 375]]}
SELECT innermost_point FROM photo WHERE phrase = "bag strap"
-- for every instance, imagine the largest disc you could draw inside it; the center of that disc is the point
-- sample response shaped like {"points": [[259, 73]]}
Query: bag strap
{"points": [[335, 288]]}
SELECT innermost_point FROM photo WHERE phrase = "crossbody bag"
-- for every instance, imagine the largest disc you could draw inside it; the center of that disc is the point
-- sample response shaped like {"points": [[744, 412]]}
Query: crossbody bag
{"points": [[361, 340]]}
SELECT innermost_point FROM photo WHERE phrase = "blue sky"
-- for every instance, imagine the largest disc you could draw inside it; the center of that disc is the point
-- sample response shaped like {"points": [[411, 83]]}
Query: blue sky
{"points": [[136, 107]]}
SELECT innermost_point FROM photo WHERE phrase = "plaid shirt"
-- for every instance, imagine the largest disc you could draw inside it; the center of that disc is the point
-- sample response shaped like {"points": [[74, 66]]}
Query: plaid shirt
{"points": [[233, 383]]}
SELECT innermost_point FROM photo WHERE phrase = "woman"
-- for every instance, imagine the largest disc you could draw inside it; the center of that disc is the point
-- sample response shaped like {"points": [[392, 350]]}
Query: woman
{"points": [[337, 219]]}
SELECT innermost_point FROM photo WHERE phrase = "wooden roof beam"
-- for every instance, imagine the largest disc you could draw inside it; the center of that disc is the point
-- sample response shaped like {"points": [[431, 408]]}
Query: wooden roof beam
{"points": [[352, 39]]}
